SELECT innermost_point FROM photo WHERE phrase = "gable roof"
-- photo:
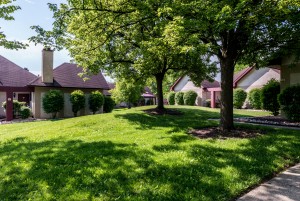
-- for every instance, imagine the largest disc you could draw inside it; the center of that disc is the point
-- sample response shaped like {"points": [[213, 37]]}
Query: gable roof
{"points": [[66, 75], [12, 75], [204, 84], [239, 75]]}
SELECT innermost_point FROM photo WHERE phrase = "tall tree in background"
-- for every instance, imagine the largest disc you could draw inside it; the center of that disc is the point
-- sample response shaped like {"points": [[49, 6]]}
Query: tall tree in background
{"points": [[127, 38], [6, 9], [244, 31]]}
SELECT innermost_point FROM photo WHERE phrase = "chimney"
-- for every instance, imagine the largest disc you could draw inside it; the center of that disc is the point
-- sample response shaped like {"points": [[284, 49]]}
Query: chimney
{"points": [[47, 66]]}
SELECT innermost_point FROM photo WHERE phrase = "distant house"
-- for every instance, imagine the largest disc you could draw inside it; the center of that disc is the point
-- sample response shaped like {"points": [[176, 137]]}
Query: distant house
{"points": [[185, 84], [24, 85]]}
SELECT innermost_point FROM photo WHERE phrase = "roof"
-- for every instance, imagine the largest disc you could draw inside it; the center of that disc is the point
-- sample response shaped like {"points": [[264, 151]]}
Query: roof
{"points": [[204, 84], [66, 75], [239, 75], [12, 75]]}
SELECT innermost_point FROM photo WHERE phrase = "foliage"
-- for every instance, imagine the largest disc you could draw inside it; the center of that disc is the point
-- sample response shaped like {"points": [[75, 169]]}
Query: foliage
{"points": [[6, 9], [179, 98], [109, 104], [53, 102], [269, 96], [96, 100], [127, 91], [239, 97], [254, 97], [171, 98], [25, 112], [77, 100], [208, 103], [289, 100], [16, 106], [189, 97]]}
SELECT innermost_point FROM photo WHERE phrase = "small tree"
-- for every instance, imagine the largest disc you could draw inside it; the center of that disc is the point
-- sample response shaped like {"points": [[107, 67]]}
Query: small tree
{"points": [[239, 97], [254, 97], [96, 100], [289, 100], [189, 97], [109, 104], [179, 98], [53, 102], [171, 98], [269, 96], [77, 99]]}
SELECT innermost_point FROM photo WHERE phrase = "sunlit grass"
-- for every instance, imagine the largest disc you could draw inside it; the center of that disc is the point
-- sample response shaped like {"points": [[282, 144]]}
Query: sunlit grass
{"points": [[130, 155]]}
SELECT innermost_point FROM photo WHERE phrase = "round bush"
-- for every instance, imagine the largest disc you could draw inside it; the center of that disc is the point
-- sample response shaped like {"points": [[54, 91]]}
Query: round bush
{"points": [[96, 100], [254, 97], [269, 96], [53, 102], [179, 98], [171, 98], [189, 97], [239, 97], [77, 99], [25, 112], [109, 104], [289, 100], [207, 103]]}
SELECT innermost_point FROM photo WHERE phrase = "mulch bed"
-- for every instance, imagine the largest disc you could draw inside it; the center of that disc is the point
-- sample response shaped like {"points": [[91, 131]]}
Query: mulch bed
{"points": [[163, 112], [216, 132], [269, 120]]}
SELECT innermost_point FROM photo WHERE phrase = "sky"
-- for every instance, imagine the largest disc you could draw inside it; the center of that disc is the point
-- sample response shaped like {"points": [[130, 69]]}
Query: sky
{"points": [[33, 12]]}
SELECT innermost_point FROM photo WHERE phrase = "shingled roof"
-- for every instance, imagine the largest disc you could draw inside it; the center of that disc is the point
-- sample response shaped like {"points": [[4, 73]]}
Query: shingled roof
{"points": [[66, 75], [204, 84], [12, 75]]}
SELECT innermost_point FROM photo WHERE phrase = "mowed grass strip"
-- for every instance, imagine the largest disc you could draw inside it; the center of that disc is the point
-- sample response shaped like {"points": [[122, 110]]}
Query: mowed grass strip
{"points": [[130, 155]]}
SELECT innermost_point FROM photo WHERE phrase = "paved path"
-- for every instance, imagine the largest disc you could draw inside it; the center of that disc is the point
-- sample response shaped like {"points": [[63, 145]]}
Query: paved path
{"points": [[283, 187]]}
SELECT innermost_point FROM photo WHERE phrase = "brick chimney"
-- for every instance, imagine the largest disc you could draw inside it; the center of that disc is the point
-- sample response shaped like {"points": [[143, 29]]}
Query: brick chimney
{"points": [[47, 66]]}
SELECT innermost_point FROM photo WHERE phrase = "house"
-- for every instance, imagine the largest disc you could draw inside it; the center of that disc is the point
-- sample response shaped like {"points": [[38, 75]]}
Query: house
{"points": [[249, 78], [185, 84], [64, 77]]}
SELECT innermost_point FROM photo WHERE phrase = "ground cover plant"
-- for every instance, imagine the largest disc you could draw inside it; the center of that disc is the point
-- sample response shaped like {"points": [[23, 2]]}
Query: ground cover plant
{"points": [[133, 155]]}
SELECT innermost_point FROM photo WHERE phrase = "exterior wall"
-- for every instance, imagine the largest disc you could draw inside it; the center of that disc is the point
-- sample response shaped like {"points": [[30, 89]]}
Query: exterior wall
{"points": [[257, 78], [2, 99], [290, 75], [67, 111]]}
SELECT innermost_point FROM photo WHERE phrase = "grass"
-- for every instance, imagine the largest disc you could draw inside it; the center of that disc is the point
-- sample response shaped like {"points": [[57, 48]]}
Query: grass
{"points": [[129, 155]]}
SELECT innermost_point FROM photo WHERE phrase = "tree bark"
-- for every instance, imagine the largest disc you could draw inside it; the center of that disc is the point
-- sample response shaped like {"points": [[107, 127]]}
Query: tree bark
{"points": [[227, 70], [160, 97]]}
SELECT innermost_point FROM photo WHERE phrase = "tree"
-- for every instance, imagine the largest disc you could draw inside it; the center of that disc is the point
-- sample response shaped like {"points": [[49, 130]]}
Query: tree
{"points": [[77, 99], [126, 91], [6, 9], [96, 100], [239, 31], [126, 38], [53, 102]]}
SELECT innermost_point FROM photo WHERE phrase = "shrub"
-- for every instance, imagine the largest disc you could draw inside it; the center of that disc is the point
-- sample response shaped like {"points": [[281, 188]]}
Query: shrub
{"points": [[16, 106], [149, 102], [189, 97], [171, 98], [269, 94], [53, 102], [96, 100], [77, 99], [109, 104], [289, 100], [207, 103], [254, 97], [179, 98], [239, 97], [25, 112]]}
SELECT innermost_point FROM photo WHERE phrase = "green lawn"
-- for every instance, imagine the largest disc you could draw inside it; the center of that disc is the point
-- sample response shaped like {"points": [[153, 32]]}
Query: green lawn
{"points": [[129, 155]]}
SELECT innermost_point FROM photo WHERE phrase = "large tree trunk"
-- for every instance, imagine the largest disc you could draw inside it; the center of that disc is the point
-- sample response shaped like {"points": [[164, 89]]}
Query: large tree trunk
{"points": [[227, 70], [160, 97]]}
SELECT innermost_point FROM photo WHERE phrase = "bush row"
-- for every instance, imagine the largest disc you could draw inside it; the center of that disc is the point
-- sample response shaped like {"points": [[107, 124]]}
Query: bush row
{"points": [[182, 98]]}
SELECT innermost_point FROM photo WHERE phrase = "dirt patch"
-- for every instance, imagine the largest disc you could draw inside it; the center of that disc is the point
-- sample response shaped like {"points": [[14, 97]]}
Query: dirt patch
{"points": [[216, 132], [163, 112]]}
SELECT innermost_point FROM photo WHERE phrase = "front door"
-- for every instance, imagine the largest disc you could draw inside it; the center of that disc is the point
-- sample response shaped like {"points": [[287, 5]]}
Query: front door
{"points": [[24, 98]]}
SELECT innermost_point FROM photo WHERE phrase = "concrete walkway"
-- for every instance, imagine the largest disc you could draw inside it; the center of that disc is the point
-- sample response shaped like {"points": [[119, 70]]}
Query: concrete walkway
{"points": [[283, 187]]}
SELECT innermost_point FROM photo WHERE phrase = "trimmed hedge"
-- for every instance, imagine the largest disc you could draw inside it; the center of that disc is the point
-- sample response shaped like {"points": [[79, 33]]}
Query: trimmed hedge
{"points": [[179, 98], [53, 102], [109, 104], [25, 112], [77, 99], [189, 97], [171, 98], [96, 100], [289, 100], [239, 97], [254, 97], [269, 96]]}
